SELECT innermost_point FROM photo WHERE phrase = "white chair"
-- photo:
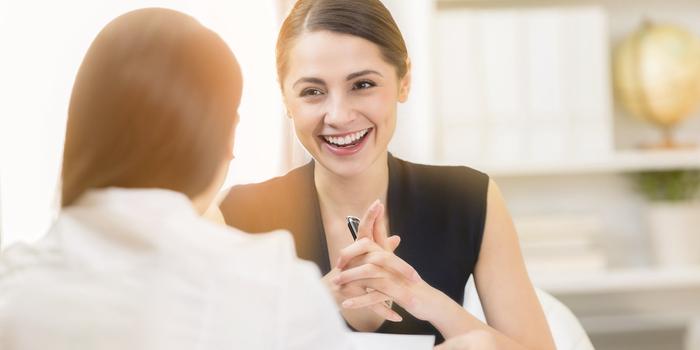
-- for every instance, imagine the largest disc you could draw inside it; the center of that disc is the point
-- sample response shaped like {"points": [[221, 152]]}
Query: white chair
{"points": [[566, 329]]}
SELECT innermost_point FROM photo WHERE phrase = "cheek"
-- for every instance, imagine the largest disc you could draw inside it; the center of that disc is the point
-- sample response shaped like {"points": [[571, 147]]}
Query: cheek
{"points": [[381, 108], [305, 118]]}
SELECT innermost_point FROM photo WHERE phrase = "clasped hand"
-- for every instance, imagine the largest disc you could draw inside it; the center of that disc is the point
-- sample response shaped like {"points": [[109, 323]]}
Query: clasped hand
{"points": [[370, 274]]}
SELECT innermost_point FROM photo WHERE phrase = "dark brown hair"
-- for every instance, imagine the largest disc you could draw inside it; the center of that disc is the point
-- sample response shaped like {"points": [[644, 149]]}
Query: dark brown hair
{"points": [[153, 106], [367, 19]]}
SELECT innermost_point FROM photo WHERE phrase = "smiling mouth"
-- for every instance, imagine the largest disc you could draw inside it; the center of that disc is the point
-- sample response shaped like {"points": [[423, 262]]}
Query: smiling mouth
{"points": [[347, 140]]}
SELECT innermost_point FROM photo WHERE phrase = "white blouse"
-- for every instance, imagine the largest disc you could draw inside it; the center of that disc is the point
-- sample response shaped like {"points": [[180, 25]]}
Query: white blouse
{"points": [[139, 269]]}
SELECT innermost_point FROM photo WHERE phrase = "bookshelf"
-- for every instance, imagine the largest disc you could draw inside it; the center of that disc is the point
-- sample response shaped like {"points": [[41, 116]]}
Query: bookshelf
{"points": [[630, 303]]}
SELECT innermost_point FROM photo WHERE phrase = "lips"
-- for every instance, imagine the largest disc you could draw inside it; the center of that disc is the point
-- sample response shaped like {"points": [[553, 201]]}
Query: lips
{"points": [[346, 140], [346, 144]]}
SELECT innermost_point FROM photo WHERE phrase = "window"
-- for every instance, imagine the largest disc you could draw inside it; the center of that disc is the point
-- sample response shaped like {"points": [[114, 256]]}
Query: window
{"points": [[43, 46]]}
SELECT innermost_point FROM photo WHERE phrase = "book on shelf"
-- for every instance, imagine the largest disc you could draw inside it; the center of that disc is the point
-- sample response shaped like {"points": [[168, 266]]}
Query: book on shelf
{"points": [[561, 243], [523, 84]]}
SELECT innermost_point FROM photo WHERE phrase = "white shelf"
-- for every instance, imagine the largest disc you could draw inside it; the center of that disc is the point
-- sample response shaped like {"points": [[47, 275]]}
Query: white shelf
{"points": [[619, 281], [612, 324], [619, 162]]}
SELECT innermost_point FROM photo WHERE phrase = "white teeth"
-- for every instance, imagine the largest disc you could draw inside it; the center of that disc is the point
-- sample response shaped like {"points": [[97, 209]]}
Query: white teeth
{"points": [[342, 141]]}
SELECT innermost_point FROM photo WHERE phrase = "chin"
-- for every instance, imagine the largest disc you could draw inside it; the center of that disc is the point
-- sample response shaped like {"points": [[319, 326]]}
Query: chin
{"points": [[347, 167]]}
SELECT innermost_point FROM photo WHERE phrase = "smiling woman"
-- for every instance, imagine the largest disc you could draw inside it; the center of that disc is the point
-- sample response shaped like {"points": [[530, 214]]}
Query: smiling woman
{"points": [[343, 69]]}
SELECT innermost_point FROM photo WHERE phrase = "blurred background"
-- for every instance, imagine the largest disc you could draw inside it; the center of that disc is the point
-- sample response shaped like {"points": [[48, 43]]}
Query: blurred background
{"points": [[584, 111]]}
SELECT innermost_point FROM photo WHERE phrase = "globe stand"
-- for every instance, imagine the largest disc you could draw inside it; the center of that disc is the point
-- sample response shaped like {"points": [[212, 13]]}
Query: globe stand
{"points": [[668, 141]]}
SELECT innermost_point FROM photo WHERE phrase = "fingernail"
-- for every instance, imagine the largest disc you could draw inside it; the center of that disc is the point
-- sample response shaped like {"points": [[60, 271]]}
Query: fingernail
{"points": [[335, 279], [396, 318], [337, 262], [347, 303]]}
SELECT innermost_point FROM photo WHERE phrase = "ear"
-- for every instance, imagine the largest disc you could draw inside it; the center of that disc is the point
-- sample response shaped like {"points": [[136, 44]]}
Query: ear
{"points": [[405, 83]]}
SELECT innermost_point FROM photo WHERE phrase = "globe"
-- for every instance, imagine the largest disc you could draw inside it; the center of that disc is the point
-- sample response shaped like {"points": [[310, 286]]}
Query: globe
{"points": [[656, 72]]}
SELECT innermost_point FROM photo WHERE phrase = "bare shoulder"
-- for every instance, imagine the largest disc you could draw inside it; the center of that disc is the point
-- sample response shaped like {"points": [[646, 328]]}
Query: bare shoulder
{"points": [[498, 220]]}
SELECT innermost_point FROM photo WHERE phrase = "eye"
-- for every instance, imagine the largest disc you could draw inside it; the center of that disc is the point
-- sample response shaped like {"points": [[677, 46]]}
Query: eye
{"points": [[310, 92], [363, 84]]}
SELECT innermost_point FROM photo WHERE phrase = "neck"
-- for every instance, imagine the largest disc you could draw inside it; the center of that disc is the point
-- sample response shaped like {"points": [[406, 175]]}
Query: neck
{"points": [[341, 196]]}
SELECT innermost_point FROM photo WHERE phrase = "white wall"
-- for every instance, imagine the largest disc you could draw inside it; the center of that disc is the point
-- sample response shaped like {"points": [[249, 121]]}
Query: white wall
{"points": [[415, 128], [42, 45]]}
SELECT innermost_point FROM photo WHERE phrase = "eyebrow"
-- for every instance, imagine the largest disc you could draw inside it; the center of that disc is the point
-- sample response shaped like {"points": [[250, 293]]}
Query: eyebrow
{"points": [[349, 77], [361, 73], [309, 80]]}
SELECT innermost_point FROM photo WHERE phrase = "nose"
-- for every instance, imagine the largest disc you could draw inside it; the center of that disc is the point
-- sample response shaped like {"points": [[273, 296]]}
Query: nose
{"points": [[339, 111]]}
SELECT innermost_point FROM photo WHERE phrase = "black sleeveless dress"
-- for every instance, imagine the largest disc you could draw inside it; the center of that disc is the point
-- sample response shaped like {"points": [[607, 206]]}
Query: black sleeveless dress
{"points": [[439, 212]]}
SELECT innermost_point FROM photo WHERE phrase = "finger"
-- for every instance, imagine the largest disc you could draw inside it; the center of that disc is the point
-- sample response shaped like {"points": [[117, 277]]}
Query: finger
{"points": [[397, 291], [364, 271], [365, 300], [328, 279], [378, 264], [350, 291], [385, 312], [361, 246], [379, 228], [367, 222], [393, 243], [392, 262]]}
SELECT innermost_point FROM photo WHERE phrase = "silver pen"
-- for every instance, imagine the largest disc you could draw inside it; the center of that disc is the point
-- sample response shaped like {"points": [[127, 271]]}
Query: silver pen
{"points": [[353, 226]]}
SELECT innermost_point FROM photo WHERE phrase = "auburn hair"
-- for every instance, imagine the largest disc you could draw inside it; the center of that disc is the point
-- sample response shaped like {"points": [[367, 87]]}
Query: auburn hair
{"points": [[153, 106]]}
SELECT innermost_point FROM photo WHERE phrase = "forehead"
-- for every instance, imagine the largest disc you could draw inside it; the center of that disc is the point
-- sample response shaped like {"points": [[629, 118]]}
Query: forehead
{"points": [[326, 54]]}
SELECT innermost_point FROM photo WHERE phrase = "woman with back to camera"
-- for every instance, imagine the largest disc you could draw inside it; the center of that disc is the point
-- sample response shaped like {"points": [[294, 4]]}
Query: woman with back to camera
{"points": [[129, 263], [343, 67]]}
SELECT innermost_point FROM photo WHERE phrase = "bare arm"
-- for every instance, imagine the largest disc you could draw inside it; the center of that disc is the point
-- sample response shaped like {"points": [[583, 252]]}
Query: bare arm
{"points": [[507, 295]]}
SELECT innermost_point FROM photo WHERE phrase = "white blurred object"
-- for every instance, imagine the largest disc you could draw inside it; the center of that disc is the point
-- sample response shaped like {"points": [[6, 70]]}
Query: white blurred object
{"points": [[415, 129], [533, 83], [575, 263], [378, 341], [0, 211], [551, 226], [675, 233], [561, 243], [566, 329]]}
